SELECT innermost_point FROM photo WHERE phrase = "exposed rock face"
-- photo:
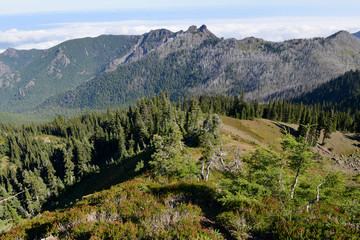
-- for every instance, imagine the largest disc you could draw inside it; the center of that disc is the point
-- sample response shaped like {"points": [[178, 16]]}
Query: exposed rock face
{"points": [[349, 164], [60, 59], [261, 68], [266, 69], [30, 84], [164, 42], [4, 68], [11, 52], [9, 79]]}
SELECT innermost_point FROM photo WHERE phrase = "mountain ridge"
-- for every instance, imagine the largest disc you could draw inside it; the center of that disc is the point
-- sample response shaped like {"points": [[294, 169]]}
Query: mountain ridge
{"points": [[188, 63], [61, 68], [247, 46]]}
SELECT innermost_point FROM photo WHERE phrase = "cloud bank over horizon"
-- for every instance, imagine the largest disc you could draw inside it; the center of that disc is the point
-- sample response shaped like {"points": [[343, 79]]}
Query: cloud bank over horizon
{"points": [[271, 29]]}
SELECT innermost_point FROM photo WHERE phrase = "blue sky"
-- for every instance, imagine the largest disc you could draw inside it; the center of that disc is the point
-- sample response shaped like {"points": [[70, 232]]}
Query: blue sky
{"points": [[44, 23]]}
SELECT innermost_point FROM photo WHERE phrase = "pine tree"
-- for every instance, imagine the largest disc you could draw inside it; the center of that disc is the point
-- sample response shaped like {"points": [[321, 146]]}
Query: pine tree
{"points": [[69, 166], [192, 125], [37, 189]]}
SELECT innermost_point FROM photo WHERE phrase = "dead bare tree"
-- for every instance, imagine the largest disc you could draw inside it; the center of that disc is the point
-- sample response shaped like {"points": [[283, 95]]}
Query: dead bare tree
{"points": [[8, 198], [220, 155], [317, 197], [203, 176], [237, 162]]}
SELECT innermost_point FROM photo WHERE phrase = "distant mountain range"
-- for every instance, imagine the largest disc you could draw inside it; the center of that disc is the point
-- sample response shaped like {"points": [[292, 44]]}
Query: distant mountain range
{"points": [[112, 71]]}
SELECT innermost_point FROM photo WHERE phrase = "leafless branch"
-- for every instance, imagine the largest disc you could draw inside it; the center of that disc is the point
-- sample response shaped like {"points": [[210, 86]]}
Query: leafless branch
{"points": [[11, 197]]}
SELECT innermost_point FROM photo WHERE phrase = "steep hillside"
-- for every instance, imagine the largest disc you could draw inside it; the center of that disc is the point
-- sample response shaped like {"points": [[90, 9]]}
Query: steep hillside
{"points": [[342, 92], [58, 69], [13, 60]]}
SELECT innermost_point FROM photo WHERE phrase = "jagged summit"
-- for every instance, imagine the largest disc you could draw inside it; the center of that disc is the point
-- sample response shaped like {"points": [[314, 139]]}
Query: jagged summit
{"points": [[203, 29], [192, 29], [11, 52]]}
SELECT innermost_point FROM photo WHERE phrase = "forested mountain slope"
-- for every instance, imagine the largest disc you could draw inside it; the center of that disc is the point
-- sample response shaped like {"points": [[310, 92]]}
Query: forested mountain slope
{"points": [[341, 93], [30, 81], [12, 60], [110, 71]]}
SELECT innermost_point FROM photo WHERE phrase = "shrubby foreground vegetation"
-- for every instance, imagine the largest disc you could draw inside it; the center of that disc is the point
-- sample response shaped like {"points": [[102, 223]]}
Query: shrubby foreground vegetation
{"points": [[182, 182]]}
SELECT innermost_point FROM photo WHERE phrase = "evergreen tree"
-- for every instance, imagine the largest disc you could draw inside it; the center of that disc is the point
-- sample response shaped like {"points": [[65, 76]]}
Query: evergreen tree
{"points": [[299, 154], [69, 175], [192, 124]]}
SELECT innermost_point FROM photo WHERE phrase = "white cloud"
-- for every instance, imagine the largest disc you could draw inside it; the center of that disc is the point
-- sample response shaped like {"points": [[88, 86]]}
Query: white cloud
{"points": [[274, 29], [279, 29], [40, 45]]}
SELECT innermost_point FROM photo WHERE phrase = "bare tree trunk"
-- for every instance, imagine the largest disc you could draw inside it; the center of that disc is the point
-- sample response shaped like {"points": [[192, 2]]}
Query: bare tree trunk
{"points": [[223, 164], [219, 154], [317, 197], [181, 147], [318, 191], [294, 184], [208, 169], [144, 145], [206, 177], [202, 170], [281, 179], [208, 172], [11, 197]]}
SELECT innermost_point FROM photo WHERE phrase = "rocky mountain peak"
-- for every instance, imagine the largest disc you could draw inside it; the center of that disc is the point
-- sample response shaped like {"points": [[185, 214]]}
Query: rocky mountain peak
{"points": [[202, 29], [158, 33], [201, 33], [11, 52], [341, 34], [192, 29], [344, 38]]}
